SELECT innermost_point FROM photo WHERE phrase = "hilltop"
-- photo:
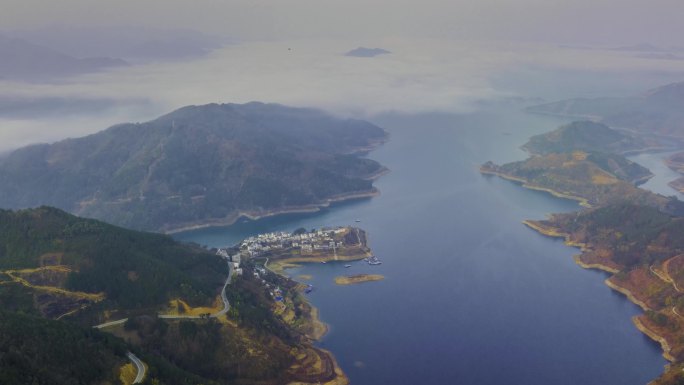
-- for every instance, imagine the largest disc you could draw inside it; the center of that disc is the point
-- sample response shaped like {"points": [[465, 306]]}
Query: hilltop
{"points": [[585, 136], [198, 165], [591, 178], [22, 60]]}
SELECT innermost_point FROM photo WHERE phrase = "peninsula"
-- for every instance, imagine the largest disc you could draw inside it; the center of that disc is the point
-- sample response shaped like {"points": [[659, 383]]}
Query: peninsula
{"points": [[282, 250], [633, 234], [259, 263]]}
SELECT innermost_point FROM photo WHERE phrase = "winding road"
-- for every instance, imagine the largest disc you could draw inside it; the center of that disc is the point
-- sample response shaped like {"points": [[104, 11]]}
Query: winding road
{"points": [[112, 323], [224, 298], [667, 278], [139, 364]]}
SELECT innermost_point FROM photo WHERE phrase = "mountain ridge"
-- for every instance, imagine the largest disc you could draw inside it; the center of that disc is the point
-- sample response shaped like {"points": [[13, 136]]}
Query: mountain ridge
{"points": [[656, 112], [198, 164]]}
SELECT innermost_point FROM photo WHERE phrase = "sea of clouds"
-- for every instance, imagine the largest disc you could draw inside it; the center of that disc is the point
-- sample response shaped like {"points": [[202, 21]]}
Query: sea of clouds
{"points": [[418, 76]]}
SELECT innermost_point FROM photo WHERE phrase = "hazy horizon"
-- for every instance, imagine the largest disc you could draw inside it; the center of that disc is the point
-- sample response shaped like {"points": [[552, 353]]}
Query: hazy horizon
{"points": [[561, 22], [445, 57]]}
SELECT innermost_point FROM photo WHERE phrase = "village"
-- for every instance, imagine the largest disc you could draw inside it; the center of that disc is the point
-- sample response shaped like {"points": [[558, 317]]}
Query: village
{"points": [[301, 242], [323, 239], [278, 244]]}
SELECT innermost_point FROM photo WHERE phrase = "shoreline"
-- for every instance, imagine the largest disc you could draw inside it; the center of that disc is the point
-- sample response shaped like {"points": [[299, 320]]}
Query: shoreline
{"points": [[318, 328], [627, 293], [524, 183], [665, 346], [254, 215]]}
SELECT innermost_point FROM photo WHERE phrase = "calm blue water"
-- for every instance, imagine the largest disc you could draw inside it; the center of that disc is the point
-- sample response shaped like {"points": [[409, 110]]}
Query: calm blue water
{"points": [[662, 175], [471, 295]]}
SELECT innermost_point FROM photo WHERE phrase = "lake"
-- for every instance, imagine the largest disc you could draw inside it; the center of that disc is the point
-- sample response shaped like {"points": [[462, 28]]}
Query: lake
{"points": [[471, 295], [662, 175]]}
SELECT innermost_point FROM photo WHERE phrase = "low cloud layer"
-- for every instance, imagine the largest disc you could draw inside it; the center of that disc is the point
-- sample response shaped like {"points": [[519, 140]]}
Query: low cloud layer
{"points": [[418, 76], [559, 21]]}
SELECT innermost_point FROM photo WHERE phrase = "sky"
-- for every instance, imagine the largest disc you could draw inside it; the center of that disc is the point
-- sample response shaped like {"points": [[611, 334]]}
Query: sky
{"points": [[447, 56], [556, 21]]}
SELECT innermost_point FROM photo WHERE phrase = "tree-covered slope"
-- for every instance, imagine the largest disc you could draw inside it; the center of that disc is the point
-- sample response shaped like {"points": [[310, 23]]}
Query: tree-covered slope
{"points": [[585, 136], [61, 263], [626, 233], [34, 350], [199, 164], [596, 178], [60, 275], [40, 351]]}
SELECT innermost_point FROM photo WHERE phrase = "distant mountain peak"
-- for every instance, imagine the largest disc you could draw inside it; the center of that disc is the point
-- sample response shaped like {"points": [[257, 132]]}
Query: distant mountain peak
{"points": [[23, 60], [672, 92], [367, 52], [641, 47]]}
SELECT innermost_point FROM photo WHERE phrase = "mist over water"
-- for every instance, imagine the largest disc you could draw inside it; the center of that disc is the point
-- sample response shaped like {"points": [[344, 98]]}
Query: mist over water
{"points": [[420, 75], [471, 295]]}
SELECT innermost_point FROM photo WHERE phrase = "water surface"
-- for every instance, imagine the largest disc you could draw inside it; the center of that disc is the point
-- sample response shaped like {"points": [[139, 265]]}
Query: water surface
{"points": [[471, 296], [662, 175]]}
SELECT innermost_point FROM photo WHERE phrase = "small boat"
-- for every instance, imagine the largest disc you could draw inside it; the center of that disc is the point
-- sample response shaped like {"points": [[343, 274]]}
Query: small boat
{"points": [[347, 266], [357, 221], [323, 262]]}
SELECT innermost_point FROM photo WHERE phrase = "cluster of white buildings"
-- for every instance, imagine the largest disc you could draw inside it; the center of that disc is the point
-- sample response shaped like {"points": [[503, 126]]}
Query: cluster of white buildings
{"points": [[306, 242]]}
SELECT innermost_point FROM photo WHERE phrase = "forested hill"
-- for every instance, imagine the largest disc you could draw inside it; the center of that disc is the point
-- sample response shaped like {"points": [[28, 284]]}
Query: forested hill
{"points": [[60, 275], [198, 164], [55, 264], [585, 136]]}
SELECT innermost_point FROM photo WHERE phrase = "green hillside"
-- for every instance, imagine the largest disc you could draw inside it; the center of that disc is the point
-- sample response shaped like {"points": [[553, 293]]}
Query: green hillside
{"points": [[596, 178], [196, 165], [91, 263], [583, 135], [60, 275]]}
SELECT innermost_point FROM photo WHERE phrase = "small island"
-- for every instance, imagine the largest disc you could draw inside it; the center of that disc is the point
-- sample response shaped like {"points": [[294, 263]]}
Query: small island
{"points": [[367, 52], [358, 278]]}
